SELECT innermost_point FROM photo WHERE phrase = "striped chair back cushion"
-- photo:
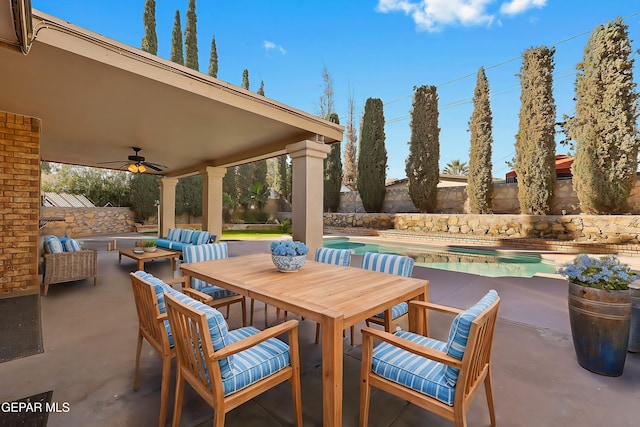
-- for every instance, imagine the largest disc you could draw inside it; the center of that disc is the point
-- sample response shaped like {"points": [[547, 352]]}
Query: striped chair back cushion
{"points": [[399, 265], [218, 328], [333, 256], [208, 252], [459, 333], [185, 236]]}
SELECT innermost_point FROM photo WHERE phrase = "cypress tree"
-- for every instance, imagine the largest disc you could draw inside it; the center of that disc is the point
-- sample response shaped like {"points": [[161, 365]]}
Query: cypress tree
{"points": [[372, 162], [424, 150], [333, 174], [245, 79], [260, 90], [535, 141], [150, 39], [190, 37], [213, 59], [605, 122], [480, 181], [351, 149], [177, 55]]}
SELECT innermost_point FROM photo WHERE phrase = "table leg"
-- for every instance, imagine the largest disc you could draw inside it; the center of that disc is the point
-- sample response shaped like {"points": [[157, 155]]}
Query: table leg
{"points": [[140, 265], [332, 371], [418, 319]]}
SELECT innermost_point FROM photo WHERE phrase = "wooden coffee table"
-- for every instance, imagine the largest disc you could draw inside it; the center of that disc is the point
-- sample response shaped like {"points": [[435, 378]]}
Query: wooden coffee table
{"points": [[150, 256]]}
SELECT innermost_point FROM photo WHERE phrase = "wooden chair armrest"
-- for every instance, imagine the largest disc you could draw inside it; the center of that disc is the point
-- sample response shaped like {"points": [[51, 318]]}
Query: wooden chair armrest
{"points": [[251, 341], [175, 280], [410, 346], [197, 295], [162, 317], [437, 307]]}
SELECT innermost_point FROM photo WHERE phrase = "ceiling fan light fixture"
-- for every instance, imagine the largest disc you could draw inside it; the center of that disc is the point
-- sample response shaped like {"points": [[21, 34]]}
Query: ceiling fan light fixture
{"points": [[136, 168], [141, 169]]}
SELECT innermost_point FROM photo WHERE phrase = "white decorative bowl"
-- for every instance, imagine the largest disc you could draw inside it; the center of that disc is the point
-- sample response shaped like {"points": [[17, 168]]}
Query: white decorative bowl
{"points": [[150, 249], [288, 264]]}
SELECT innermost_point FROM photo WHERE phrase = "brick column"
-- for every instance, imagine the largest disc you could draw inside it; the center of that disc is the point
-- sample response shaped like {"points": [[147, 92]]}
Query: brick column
{"points": [[19, 203]]}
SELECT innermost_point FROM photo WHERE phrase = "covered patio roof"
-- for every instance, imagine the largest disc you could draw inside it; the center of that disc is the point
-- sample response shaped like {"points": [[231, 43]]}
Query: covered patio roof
{"points": [[97, 98]]}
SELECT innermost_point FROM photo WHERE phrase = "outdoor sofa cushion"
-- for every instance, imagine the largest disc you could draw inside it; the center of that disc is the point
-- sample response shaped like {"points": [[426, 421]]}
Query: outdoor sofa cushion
{"points": [[178, 238], [53, 245]]}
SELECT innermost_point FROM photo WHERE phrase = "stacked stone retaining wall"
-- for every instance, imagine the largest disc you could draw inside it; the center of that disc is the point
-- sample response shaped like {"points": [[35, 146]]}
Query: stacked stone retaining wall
{"points": [[597, 229], [75, 222]]}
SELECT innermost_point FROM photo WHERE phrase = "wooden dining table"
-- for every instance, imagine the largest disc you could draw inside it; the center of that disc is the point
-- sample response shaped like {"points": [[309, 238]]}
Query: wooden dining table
{"points": [[334, 296]]}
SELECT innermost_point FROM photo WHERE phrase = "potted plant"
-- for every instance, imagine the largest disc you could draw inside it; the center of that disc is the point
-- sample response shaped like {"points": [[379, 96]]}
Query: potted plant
{"points": [[288, 255], [599, 311], [150, 245]]}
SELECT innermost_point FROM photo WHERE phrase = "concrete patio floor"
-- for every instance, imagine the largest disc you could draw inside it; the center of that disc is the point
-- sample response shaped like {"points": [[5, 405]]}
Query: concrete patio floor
{"points": [[90, 342]]}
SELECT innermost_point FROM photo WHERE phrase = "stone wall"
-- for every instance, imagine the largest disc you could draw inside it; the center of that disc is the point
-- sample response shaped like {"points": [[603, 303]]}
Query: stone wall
{"points": [[613, 229], [76, 222], [505, 200], [19, 203]]}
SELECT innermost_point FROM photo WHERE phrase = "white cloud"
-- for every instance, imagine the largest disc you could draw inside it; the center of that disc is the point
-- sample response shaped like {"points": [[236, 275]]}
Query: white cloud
{"points": [[432, 15], [515, 7], [272, 46]]}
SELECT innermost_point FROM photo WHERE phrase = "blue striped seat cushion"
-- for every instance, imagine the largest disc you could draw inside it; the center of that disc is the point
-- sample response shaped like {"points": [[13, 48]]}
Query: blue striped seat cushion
{"points": [[412, 371], [333, 256], [218, 328], [255, 363], [397, 311], [459, 333]]}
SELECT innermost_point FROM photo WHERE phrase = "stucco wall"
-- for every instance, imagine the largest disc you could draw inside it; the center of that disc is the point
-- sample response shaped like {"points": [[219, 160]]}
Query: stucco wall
{"points": [[505, 200]]}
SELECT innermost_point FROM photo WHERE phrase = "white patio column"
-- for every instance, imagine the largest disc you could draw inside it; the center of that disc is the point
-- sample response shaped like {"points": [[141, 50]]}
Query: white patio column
{"points": [[212, 199], [307, 191], [167, 204]]}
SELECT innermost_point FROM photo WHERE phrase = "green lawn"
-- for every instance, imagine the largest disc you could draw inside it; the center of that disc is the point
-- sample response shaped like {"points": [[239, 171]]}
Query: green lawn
{"points": [[252, 235]]}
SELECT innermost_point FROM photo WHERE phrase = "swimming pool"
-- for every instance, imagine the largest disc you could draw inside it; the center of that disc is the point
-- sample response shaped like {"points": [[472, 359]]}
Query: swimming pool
{"points": [[483, 262]]}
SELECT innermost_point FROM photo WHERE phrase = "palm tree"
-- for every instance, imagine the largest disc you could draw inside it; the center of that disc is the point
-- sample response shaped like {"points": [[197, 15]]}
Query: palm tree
{"points": [[456, 168]]}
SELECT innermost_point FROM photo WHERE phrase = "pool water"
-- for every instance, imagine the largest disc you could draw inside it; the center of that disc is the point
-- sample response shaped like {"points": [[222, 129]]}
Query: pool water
{"points": [[482, 262]]}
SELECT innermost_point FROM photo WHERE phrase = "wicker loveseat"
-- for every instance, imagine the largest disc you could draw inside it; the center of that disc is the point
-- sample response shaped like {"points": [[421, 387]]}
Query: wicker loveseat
{"points": [[67, 266]]}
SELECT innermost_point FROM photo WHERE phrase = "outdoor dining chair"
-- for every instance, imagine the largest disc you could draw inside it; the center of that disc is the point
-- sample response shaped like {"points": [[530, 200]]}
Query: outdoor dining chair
{"points": [[228, 368], [399, 265], [441, 377], [221, 297], [154, 327]]}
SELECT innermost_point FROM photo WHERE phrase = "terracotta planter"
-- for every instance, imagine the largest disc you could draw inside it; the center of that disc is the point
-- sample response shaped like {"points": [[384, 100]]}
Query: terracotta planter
{"points": [[600, 323]]}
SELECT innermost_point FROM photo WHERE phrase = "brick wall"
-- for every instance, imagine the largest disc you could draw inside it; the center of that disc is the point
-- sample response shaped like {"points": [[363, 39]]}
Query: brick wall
{"points": [[19, 202]]}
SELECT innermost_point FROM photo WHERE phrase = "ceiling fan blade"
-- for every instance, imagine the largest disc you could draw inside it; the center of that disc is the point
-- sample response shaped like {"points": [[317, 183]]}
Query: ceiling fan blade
{"points": [[154, 166]]}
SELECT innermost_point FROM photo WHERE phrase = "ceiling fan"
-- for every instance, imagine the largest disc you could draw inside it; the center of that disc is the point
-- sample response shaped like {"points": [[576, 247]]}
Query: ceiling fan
{"points": [[137, 163]]}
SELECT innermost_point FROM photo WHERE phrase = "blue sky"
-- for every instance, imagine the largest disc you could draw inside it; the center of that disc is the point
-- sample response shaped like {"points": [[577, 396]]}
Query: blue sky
{"points": [[380, 49]]}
